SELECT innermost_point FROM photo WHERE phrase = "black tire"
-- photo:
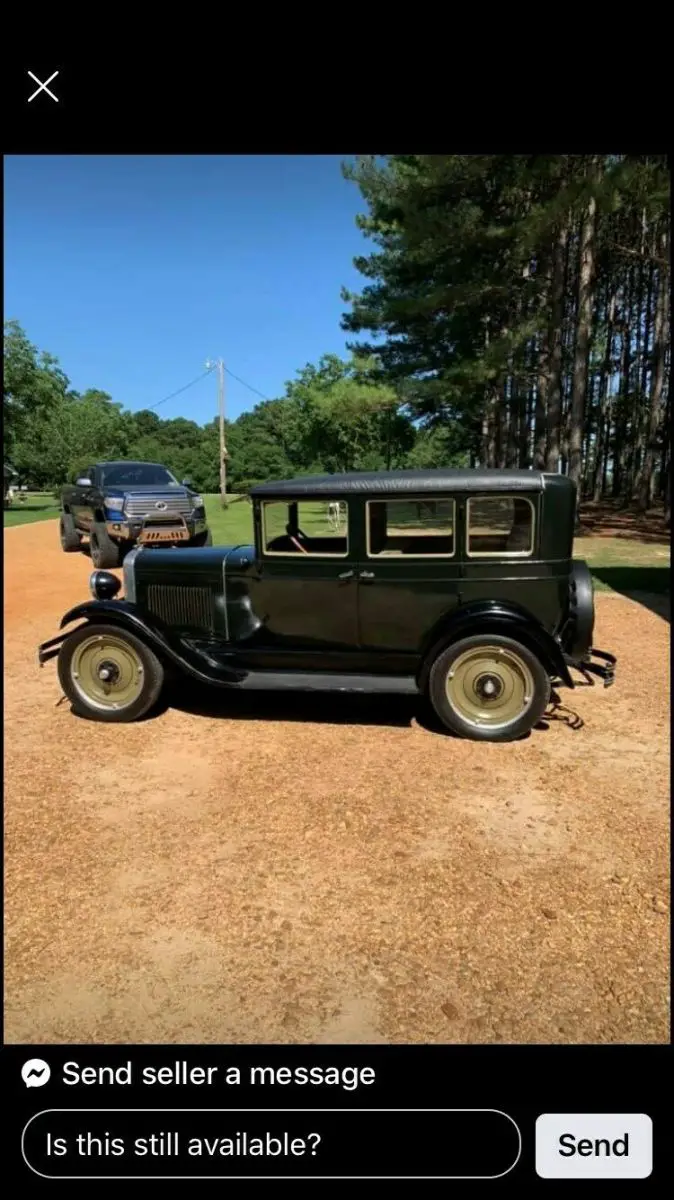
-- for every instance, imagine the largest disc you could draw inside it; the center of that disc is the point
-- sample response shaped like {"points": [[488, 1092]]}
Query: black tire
{"points": [[104, 552], [509, 666], [578, 641], [70, 538], [117, 644], [203, 539]]}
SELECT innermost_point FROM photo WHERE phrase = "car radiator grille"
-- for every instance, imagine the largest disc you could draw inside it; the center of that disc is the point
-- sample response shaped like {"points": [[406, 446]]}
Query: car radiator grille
{"points": [[146, 506], [184, 607]]}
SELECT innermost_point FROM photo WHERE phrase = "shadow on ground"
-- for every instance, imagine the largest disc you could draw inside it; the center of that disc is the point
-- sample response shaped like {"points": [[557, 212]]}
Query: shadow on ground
{"points": [[647, 585], [301, 707], [328, 709]]}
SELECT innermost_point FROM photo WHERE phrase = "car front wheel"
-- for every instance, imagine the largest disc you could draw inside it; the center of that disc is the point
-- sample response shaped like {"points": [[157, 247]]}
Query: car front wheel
{"points": [[70, 538], [108, 674], [104, 552], [489, 688]]}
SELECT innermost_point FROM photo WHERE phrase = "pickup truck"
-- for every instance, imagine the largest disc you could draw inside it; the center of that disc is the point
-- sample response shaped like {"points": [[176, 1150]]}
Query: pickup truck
{"points": [[117, 505]]}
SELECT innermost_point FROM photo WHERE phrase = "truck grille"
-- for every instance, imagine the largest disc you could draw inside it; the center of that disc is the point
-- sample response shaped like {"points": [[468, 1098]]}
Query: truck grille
{"points": [[184, 607], [146, 506]]}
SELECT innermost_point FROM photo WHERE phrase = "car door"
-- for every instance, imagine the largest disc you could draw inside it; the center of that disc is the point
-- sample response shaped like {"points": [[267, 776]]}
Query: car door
{"points": [[304, 586], [77, 498], [409, 575], [86, 499]]}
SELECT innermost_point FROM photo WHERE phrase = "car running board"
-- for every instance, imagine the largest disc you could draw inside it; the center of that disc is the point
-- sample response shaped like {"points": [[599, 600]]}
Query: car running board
{"points": [[298, 681]]}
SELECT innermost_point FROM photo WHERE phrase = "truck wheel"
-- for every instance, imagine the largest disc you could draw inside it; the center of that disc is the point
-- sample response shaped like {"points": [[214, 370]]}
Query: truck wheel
{"points": [[108, 674], [203, 539], [70, 538], [104, 552], [489, 688]]}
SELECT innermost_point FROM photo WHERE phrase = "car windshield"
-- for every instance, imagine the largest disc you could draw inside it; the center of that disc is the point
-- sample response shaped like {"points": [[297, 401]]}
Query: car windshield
{"points": [[137, 475]]}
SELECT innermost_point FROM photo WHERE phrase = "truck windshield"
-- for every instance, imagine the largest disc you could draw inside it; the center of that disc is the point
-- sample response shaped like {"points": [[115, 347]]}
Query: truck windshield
{"points": [[137, 475]]}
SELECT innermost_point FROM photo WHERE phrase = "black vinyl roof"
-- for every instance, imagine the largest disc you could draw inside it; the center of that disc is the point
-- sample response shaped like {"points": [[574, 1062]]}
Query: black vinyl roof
{"points": [[406, 482]]}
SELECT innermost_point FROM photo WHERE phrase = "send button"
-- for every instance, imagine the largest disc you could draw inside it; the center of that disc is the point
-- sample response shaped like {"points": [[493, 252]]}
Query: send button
{"points": [[594, 1146]]}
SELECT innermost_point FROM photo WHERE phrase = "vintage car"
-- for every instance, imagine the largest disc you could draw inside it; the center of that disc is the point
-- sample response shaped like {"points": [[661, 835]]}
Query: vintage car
{"points": [[118, 505], [455, 584]]}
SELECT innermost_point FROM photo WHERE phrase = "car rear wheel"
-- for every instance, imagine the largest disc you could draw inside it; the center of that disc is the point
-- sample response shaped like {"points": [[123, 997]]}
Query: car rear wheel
{"points": [[104, 552], [70, 538], [489, 688], [108, 674]]}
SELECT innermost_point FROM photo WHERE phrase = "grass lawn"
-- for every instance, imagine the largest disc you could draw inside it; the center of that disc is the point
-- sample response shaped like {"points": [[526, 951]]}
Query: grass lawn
{"points": [[231, 525], [625, 564], [38, 506]]}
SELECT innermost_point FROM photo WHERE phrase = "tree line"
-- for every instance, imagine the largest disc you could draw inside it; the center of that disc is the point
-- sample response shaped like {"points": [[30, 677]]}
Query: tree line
{"points": [[333, 417], [525, 300], [514, 313]]}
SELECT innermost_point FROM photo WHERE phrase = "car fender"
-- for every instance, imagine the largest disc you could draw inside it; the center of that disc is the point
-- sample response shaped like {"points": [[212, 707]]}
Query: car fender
{"points": [[488, 616], [121, 612]]}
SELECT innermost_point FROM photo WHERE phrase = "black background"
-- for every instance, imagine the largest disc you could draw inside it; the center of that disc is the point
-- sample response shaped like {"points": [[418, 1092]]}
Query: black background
{"points": [[224, 93], [522, 1081]]}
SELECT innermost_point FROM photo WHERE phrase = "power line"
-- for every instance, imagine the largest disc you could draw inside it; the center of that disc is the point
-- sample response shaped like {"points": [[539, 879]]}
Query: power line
{"points": [[247, 385], [198, 379], [208, 371]]}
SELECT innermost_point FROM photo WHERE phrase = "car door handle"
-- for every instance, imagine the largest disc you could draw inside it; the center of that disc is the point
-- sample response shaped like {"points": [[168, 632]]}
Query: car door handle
{"points": [[346, 575], [366, 575]]}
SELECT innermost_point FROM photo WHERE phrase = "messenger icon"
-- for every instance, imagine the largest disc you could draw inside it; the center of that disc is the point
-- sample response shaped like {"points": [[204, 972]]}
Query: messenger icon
{"points": [[35, 1072]]}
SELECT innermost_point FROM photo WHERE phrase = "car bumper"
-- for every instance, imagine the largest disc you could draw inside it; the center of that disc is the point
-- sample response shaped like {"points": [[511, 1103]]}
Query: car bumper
{"points": [[50, 649], [604, 669], [132, 531]]}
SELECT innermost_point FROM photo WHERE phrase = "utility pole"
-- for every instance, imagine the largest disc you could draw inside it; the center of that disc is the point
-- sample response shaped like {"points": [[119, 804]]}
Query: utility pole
{"points": [[223, 448], [221, 414]]}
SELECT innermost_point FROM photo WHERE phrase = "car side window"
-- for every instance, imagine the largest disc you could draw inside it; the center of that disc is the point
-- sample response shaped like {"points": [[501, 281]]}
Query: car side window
{"points": [[416, 528], [314, 528], [500, 526]]}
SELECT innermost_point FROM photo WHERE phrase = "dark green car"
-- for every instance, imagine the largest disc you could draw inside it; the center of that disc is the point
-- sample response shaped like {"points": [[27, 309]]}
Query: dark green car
{"points": [[455, 584]]}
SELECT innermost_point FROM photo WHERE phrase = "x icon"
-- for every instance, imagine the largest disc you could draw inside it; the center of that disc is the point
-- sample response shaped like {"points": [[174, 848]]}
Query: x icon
{"points": [[43, 87]]}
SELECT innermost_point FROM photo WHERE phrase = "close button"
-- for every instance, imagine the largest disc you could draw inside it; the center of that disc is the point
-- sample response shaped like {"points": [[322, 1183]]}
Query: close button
{"points": [[43, 87], [594, 1146]]}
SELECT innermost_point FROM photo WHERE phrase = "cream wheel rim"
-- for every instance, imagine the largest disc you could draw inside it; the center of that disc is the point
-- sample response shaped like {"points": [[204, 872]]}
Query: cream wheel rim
{"points": [[489, 687], [106, 672]]}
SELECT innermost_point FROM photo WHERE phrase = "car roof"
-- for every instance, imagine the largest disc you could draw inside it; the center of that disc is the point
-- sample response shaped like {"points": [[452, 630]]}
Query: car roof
{"points": [[131, 462], [407, 482]]}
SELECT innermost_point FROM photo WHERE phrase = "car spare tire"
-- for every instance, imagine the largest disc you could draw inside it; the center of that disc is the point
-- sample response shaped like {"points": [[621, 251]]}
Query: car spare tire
{"points": [[581, 611]]}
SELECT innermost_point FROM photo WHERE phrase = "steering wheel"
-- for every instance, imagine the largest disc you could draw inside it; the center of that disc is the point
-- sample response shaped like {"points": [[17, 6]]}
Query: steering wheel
{"points": [[295, 539]]}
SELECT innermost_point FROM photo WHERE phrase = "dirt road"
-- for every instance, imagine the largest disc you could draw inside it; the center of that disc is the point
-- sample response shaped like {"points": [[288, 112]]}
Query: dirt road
{"points": [[293, 870]]}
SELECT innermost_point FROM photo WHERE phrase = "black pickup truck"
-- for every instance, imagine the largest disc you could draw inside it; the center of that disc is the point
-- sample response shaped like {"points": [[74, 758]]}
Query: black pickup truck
{"points": [[121, 504]]}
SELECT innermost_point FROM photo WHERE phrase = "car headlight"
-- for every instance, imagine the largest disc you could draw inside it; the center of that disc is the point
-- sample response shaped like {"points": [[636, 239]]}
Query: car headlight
{"points": [[103, 585], [116, 502], [198, 501]]}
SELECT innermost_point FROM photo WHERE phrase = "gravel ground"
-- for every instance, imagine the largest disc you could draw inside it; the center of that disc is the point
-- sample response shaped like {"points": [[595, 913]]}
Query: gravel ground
{"points": [[243, 869]]}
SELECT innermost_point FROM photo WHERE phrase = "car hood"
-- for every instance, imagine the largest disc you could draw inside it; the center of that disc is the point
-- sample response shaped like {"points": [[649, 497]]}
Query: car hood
{"points": [[155, 562], [146, 489]]}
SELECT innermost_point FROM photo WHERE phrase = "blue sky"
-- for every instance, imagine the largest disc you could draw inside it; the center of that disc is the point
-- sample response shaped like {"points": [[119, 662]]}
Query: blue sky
{"points": [[133, 270]]}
